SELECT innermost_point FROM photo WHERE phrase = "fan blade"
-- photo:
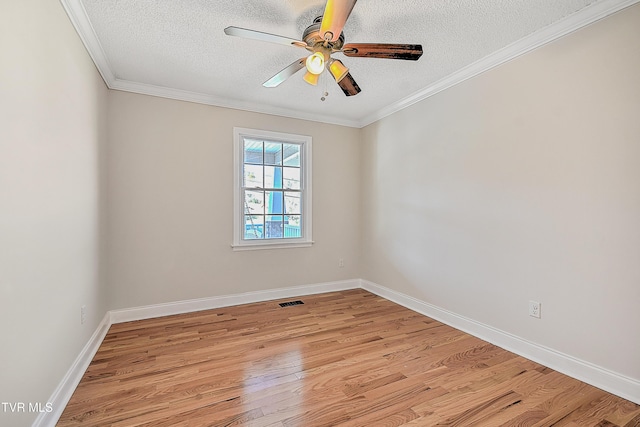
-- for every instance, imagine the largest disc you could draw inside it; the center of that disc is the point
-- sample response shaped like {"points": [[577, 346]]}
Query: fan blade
{"points": [[265, 37], [349, 86], [336, 13], [411, 52], [285, 74]]}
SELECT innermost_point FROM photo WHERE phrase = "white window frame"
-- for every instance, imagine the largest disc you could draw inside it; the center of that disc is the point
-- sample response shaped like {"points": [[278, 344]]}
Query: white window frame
{"points": [[239, 243]]}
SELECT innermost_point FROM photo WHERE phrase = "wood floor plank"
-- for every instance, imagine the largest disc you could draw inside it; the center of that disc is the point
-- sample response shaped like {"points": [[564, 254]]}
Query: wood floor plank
{"points": [[345, 358]]}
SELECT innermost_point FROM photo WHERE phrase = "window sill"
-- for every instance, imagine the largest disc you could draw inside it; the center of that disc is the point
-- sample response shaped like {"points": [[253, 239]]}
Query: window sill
{"points": [[271, 245]]}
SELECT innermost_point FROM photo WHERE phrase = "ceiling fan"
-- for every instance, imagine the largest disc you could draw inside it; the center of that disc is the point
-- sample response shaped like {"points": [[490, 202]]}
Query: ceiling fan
{"points": [[323, 38]]}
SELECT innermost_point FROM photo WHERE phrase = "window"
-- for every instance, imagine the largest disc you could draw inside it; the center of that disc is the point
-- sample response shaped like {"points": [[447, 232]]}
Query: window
{"points": [[272, 189]]}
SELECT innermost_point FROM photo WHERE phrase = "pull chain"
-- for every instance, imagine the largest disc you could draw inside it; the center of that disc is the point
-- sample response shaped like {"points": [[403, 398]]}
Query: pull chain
{"points": [[325, 91]]}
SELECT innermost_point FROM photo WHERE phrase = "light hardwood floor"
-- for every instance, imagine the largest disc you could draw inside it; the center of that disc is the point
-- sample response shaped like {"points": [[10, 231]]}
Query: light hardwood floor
{"points": [[342, 359]]}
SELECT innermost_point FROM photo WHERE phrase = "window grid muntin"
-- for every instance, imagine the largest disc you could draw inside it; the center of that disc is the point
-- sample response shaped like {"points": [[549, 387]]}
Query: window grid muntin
{"points": [[264, 190]]}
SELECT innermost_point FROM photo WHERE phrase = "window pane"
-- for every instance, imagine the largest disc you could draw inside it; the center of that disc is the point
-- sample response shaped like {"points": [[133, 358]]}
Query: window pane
{"points": [[273, 195], [252, 151], [253, 226], [273, 227], [272, 153], [292, 225], [291, 177], [291, 154], [292, 202], [253, 176], [253, 202], [273, 202], [272, 177]]}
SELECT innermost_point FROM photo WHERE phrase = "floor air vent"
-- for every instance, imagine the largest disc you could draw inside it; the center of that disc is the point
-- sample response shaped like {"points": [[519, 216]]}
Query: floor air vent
{"points": [[290, 303]]}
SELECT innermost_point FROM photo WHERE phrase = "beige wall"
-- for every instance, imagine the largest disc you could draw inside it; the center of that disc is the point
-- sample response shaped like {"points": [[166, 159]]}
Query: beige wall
{"points": [[521, 184], [171, 196], [52, 133]]}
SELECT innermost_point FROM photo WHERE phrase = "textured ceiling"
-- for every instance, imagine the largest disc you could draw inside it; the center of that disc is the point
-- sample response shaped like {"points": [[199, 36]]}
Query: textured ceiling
{"points": [[177, 48]]}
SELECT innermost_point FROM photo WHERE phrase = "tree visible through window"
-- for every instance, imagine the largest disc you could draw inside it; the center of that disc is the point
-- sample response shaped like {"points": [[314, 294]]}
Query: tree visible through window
{"points": [[273, 188]]}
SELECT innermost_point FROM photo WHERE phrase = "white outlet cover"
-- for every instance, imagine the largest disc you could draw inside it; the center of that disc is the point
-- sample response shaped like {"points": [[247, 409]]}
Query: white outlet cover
{"points": [[534, 309]]}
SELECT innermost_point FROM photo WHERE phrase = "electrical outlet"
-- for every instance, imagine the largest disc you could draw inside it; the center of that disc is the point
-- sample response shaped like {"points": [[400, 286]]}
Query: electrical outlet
{"points": [[341, 262], [534, 309], [83, 314]]}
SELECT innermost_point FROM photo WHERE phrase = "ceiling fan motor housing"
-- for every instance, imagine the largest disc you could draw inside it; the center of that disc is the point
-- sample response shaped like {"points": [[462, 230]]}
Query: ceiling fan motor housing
{"points": [[313, 38]]}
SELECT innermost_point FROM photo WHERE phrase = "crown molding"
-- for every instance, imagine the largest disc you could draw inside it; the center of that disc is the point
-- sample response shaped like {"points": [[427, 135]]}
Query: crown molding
{"points": [[571, 23], [590, 14], [201, 98], [80, 21]]}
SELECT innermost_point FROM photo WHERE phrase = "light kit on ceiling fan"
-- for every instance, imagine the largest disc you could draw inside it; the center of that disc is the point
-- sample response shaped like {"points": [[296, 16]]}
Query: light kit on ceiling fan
{"points": [[323, 38], [315, 67], [315, 63], [337, 69], [311, 78]]}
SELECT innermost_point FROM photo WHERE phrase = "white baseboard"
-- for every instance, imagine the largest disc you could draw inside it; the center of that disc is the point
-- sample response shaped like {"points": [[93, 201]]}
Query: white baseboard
{"points": [[188, 306], [70, 381], [612, 382], [67, 386]]}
